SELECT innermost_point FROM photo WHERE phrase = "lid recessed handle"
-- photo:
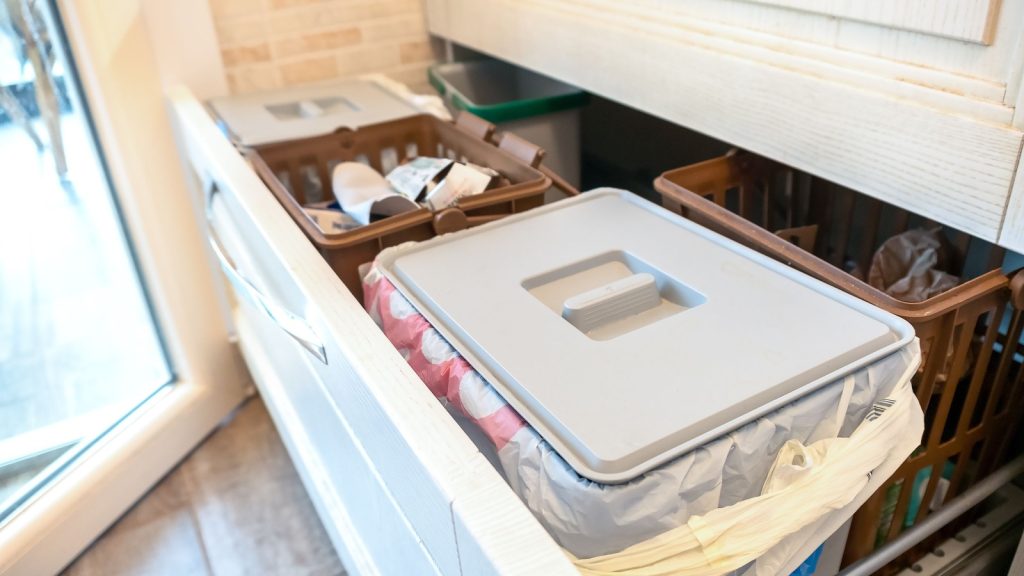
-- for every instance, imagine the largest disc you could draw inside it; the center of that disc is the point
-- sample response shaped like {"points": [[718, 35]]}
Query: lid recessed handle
{"points": [[310, 109], [619, 299]]}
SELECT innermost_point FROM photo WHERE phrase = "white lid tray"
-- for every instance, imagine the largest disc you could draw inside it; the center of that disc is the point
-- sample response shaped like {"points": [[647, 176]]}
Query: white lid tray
{"points": [[292, 113], [627, 335]]}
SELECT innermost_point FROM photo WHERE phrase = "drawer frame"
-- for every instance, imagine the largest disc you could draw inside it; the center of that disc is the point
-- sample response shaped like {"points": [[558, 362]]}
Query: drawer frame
{"points": [[427, 474]]}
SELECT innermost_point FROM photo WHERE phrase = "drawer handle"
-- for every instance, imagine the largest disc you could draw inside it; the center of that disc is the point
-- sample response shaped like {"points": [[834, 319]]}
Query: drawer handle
{"points": [[292, 324]]}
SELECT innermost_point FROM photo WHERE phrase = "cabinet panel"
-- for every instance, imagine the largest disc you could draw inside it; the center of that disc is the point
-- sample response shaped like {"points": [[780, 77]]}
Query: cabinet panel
{"points": [[1012, 234], [367, 528], [971, 20], [931, 151]]}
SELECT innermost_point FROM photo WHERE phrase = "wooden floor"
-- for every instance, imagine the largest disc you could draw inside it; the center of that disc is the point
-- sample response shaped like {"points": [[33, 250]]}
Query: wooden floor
{"points": [[235, 506]]}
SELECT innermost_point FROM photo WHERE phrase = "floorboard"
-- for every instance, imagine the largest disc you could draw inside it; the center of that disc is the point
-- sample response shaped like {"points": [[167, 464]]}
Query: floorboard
{"points": [[234, 506]]}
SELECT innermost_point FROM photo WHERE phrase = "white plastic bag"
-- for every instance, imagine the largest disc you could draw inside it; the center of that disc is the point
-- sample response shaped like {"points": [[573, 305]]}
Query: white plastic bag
{"points": [[809, 492], [429, 103]]}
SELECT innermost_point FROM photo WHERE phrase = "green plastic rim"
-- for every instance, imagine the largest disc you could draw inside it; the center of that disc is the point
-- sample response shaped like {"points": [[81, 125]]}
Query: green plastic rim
{"points": [[506, 111]]}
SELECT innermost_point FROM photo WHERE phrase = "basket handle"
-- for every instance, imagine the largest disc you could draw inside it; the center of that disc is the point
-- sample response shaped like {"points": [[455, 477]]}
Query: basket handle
{"points": [[534, 156], [475, 125], [1017, 289], [450, 220], [521, 149], [559, 182]]}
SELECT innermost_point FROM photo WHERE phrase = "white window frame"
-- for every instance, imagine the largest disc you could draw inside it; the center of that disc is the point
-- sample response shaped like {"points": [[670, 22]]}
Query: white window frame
{"points": [[126, 51]]}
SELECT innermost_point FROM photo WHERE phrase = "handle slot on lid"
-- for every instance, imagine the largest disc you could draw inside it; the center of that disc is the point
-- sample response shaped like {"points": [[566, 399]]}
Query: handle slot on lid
{"points": [[620, 299], [611, 294]]}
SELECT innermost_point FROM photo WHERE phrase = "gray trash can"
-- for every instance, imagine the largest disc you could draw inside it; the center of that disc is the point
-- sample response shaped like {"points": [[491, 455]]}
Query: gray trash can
{"points": [[537, 108]]}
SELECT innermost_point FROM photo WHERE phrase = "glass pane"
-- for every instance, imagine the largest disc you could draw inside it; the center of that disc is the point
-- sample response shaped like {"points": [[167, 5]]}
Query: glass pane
{"points": [[79, 347]]}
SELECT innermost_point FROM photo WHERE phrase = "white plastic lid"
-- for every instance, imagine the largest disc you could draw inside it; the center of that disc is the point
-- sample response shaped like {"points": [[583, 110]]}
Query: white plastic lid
{"points": [[627, 335], [288, 114]]}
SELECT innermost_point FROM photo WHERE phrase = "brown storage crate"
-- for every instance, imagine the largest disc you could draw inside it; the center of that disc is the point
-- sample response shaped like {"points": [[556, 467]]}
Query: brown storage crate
{"points": [[298, 172], [969, 385]]}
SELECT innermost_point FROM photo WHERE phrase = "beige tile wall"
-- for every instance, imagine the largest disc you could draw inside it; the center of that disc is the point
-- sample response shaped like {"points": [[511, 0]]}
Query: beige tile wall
{"points": [[274, 43]]}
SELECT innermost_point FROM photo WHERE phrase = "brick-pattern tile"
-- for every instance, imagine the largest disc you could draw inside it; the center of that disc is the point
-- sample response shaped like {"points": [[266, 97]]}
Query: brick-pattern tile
{"points": [[273, 43], [416, 51], [366, 60], [309, 70], [243, 30], [253, 78], [317, 42], [228, 8], [245, 54], [403, 28], [290, 3]]}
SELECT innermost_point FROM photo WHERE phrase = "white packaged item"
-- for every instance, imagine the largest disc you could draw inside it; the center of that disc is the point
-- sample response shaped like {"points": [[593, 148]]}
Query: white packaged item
{"points": [[429, 103], [417, 177], [362, 193], [461, 181]]}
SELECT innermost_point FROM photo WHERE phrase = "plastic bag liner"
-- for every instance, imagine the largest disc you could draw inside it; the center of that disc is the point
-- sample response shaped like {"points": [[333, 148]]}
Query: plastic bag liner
{"points": [[756, 501]]}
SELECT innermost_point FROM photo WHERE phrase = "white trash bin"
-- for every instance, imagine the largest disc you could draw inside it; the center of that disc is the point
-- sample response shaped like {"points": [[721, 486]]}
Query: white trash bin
{"points": [[656, 393]]}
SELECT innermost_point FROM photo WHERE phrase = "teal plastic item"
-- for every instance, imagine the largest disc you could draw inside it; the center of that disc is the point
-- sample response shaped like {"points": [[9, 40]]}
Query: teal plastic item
{"points": [[920, 485], [500, 92]]}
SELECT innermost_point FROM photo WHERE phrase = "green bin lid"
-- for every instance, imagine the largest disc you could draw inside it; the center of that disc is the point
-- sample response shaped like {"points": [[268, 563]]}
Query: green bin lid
{"points": [[500, 92]]}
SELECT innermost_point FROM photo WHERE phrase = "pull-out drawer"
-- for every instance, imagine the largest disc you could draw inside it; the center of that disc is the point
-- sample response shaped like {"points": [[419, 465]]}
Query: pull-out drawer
{"points": [[318, 433], [399, 486]]}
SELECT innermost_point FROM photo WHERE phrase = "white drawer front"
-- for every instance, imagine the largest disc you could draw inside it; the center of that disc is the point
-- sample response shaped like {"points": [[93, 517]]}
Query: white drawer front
{"points": [[373, 417], [320, 440], [375, 535]]}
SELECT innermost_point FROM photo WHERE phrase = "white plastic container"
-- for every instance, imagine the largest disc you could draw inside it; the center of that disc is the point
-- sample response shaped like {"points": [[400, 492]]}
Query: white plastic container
{"points": [[627, 335]]}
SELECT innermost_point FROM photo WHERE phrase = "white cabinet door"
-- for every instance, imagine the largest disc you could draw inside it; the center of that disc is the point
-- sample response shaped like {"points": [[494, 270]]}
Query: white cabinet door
{"points": [[1012, 234], [970, 20]]}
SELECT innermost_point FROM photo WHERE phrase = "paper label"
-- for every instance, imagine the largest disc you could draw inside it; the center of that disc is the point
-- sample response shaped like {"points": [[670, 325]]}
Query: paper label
{"points": [[460, 182], [412, 178]]}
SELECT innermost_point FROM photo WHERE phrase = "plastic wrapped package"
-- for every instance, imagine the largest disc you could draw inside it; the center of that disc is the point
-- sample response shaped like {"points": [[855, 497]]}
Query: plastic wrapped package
{"points": [[597, 524]]}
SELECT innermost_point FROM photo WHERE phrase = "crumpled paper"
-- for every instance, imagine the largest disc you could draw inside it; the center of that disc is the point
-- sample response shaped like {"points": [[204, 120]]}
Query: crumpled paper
{"points": [[909, 266]]}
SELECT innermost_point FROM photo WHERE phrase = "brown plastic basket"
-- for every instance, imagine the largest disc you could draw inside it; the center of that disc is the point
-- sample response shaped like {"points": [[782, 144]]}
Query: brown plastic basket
{"points": [[298, 172], [970, 386]]}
